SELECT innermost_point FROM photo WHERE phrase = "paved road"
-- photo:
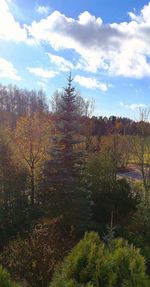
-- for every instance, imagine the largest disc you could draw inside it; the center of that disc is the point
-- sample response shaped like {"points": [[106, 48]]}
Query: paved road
{"points": [[134, 174]]}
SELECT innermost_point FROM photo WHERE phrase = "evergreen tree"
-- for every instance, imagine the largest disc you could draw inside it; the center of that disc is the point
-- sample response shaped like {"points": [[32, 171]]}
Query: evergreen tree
{"points": [[91, 263], [63, 172]]}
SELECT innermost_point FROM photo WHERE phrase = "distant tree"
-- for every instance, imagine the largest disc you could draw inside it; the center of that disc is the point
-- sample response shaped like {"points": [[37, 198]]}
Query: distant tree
{"points": [[93, 263], [15, 103], [119, 148], [86, 107], [106, 126]]}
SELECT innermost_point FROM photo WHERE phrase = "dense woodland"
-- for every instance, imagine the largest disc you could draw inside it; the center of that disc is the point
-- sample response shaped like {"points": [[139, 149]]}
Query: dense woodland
{"points": [[66, 218]]}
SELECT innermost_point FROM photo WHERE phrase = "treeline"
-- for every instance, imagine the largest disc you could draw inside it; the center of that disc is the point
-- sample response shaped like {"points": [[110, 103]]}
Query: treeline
{"points": [[58, 180], [109, 125], [15, 102]]}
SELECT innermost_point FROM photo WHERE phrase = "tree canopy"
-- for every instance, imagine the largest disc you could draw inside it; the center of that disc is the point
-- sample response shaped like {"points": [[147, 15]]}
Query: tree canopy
{"points": [[94, 263]]}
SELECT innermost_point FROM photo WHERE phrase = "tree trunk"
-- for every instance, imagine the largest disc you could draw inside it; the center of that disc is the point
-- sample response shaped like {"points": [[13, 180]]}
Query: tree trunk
{"points": [[32, 186]]}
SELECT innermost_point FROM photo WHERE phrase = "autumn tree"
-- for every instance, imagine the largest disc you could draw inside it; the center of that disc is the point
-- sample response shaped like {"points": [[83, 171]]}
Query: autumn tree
{"points": [[32, 138], [6, 165], [12, 187], [119, 148], [33, 259]]}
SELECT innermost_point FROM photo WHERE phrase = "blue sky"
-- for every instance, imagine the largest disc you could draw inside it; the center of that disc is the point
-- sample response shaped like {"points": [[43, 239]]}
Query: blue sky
{"points": [[105, 43]]}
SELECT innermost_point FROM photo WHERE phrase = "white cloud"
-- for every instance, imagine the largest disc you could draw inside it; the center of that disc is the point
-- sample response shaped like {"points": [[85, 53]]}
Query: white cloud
{"points": [[61, 63], [132, 106], [42, 73], [90, 83], [41, 85], [43, 10], [10, 29], [118, 48], [143, 17], [64, 65], [86, 18], [8, 71]]}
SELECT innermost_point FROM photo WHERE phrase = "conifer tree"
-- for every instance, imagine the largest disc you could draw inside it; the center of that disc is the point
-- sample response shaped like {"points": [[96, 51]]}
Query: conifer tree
{"points": [[64, 166], [63, 172]]}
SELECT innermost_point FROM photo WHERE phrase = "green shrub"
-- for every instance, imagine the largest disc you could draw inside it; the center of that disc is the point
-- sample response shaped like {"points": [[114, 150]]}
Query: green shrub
{"points": [[109, 194], [5, 280], [139, 227], [92, 263]]}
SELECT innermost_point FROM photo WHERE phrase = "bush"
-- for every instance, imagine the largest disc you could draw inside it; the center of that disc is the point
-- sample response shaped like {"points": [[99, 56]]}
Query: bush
{"points": [[33, 259], [5, 279], [95, 264], [109, 194], [139, 227]]}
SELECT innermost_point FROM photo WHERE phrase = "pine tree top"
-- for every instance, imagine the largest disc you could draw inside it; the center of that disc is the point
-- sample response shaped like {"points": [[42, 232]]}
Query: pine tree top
{"points": [[69, 90]]}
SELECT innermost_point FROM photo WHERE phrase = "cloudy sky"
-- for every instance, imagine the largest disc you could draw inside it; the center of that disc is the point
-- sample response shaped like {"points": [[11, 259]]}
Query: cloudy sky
{"points": [[105, 43]]}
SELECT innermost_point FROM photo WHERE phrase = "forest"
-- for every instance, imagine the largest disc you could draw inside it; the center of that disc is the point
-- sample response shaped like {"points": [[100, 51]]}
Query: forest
{"points": [[67, 217]]}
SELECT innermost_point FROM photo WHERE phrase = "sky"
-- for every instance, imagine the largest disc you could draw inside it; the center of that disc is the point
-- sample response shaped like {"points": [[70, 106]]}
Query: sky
{"points": [[104, 43]]}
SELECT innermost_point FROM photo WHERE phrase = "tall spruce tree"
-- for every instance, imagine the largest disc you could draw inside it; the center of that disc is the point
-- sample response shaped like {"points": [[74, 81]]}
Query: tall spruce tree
{"points": [[67, 195]]}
